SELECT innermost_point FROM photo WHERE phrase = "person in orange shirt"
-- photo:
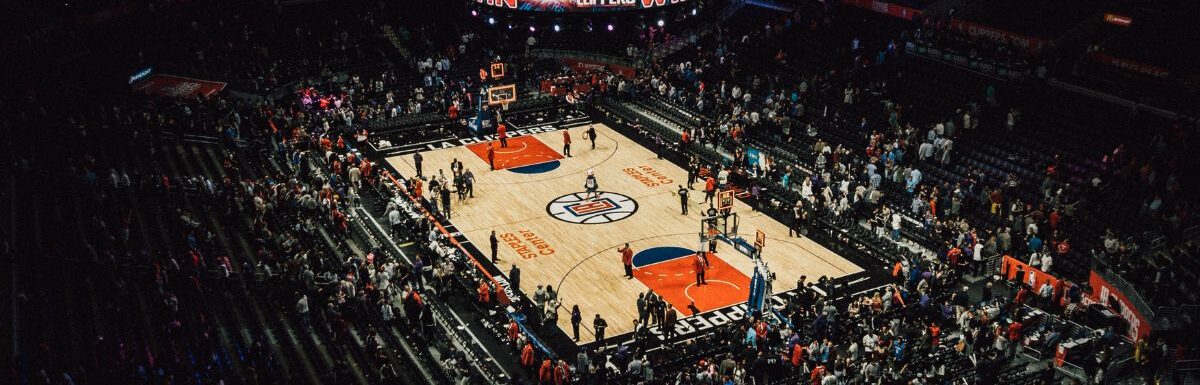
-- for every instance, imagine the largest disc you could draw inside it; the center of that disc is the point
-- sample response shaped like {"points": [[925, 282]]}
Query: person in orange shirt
{"points": [[817, 374], [485, 295], [491, 155], [710, 189], [567, 143], [513, 330], [416, 188], [502, 133], [546, 372], [527, 357], [627, 260], [797, 357]]}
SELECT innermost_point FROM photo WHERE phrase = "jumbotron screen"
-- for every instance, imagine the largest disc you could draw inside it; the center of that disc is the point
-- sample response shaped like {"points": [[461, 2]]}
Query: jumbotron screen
{"points": [[559, 6]]}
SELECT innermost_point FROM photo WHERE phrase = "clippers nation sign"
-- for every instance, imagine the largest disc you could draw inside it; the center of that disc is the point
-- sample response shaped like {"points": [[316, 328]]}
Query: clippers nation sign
{"points": [[578, 5]]}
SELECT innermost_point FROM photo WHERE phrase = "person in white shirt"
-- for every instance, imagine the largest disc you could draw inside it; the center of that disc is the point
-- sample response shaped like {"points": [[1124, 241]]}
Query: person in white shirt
{"points": [[1047, 261], [977, 257], [896, 226], [1045, 293]]}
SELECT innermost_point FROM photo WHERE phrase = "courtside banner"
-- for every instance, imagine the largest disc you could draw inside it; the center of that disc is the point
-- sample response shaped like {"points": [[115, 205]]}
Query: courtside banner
{"points": [[1131, 65], [1034, 277], [1013, 39], [584, 66], [178, 86], [1102, 291], [562, 6], [906, 13]]}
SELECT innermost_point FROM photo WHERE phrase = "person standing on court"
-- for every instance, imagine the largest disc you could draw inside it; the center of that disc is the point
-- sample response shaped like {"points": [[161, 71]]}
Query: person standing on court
{"points": [[591, 134], [417, 159], [683, 200], [494, 243], [699, 265], [710, 188], [797, 219], [642, 308], [693, 170], [591, 187], [576, 319], [492, 155], [469, 183], [668, 326], [567, 143], [627, 260], [502, 133], [446, 201], [539, 301], [599, 324], [514, 277], [658, 145]]}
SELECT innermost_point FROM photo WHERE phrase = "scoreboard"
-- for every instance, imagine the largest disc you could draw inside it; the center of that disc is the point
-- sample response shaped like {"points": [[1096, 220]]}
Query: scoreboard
{"points": [[561, 6]]}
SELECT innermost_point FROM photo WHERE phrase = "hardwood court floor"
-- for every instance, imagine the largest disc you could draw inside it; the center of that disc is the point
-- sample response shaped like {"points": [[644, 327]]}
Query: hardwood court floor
{"points": [[580, 259]]}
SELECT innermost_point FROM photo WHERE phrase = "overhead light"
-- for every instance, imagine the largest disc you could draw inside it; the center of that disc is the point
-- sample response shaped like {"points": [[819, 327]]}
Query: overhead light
{"points": [[474, 13], [660, 22], [532, 29], [610, 27], [557, 28], [492, 20], [693, 12]]}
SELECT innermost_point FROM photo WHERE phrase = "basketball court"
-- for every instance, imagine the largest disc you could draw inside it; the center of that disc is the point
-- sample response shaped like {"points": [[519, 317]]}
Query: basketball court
{"points": [[535, 202]]}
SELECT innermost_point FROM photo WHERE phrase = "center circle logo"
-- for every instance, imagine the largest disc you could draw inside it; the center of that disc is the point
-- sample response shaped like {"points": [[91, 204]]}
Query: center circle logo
{"points": [[607, 207]]}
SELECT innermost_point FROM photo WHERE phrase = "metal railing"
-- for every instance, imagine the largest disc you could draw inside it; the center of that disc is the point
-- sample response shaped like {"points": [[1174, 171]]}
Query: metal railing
{"points": [[1130, 292]]}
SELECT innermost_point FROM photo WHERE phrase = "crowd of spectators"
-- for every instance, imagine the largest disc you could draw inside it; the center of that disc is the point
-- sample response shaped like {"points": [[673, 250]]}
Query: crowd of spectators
{"points": [[269, 219]]}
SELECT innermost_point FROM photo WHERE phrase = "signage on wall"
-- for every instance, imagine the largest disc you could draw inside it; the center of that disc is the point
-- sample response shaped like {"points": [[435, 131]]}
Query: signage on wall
{"points": [[561, 6], [1118, 20]]}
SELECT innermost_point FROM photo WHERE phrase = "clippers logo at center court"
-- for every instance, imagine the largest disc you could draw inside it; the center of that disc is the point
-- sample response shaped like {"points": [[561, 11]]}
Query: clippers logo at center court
{"points": [[592, 207], [606, 208]]}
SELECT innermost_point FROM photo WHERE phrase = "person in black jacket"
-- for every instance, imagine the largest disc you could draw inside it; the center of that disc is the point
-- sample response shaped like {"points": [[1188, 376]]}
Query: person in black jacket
{"points": [[514, 277], [494, 243]]}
